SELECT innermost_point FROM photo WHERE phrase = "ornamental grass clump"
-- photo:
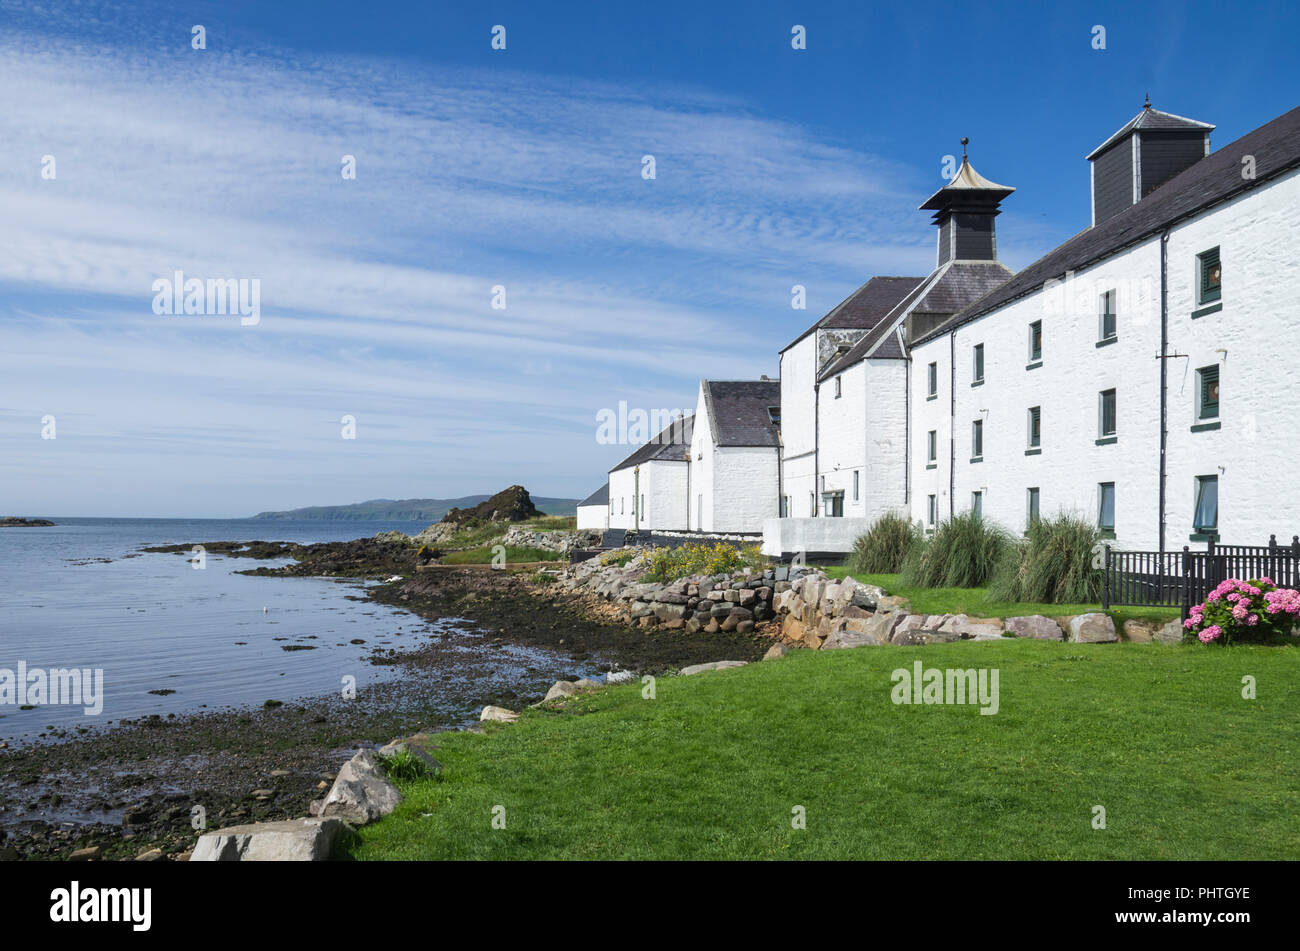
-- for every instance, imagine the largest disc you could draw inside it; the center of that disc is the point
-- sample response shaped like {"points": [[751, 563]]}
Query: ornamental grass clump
{"points": [[962, 553], [883, 549], [1055, 564], [1247, 612]]}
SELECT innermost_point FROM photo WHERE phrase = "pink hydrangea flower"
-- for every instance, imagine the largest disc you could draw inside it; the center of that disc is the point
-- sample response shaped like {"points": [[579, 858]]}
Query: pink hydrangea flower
{"points": [[1210, 633]]}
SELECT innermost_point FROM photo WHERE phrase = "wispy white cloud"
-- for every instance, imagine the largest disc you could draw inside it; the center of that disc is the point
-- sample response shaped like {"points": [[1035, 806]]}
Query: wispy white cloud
{"points": [[376, 292]]}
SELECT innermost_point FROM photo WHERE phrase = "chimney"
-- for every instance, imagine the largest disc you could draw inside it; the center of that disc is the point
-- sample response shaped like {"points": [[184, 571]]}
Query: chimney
{"points": [[964, 210], [1150, 149]]}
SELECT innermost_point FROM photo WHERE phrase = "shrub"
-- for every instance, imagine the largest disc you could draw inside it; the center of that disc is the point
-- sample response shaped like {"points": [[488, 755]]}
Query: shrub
{"points": [[405, 766], [669, 564], [883, 549], [1253, 612], [963, 553], [1053, 565]]}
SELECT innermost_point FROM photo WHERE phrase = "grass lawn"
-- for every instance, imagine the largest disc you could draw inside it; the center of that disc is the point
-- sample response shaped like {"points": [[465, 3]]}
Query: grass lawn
{"points": [[715, 765], [483, 556], [973, 601]]}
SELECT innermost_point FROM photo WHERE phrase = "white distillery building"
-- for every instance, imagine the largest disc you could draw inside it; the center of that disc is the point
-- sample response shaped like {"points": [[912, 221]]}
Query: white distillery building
{"points": [[649, 491], [1090, 382], [844, 393], [734, 456], [593, 511]]}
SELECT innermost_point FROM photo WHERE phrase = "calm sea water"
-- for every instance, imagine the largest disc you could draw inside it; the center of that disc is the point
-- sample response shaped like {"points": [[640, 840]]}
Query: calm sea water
{"points": [[77, 595]]}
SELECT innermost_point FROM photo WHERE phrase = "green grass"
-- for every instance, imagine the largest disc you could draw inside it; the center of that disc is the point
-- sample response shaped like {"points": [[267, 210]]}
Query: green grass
{"points": [[714, 766], [483, 556], [974, 601]]}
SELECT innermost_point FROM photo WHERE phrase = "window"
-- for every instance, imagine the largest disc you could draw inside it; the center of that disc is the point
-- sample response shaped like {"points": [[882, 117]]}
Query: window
{"points": [[1035, 426], [839, 387], [977, 504], [812, 503], [1206, 520], [1107, 316], [933, 390], [1106, 508], [932, 510], [823, 485], [1036, 341], [1032, 505], [774, 414], [1210, 286], [856, 474], [833, 504], [1208, 398], [622, 506], [977, 440], [932, 446], [1106, 424], [978, 370]]}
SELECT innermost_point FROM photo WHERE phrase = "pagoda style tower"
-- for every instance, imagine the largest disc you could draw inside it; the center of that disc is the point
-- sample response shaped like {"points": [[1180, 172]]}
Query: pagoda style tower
{"points": [[964, 210]]}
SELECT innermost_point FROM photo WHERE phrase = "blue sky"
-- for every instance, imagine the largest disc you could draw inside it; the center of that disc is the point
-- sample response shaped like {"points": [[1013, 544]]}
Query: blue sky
{"points": [[519, 168]]}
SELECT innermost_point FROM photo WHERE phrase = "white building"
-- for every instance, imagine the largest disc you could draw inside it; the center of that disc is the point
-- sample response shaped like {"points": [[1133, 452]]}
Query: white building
{"points": [[1090, 382], [649, 490], [845, 408], [734, 467], [593, 511]]}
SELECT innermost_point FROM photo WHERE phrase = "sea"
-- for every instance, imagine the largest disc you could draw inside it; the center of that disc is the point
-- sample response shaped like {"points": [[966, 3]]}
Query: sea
{"points": [[81, 595]]}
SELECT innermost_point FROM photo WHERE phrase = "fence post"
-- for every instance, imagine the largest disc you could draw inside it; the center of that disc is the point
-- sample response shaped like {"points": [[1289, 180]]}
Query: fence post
{"points": [[1186, 598], [1105, 578]]}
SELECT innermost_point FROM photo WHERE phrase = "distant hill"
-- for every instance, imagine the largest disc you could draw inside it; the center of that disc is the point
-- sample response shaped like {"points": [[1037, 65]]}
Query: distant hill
{"points": [[409, 510]]}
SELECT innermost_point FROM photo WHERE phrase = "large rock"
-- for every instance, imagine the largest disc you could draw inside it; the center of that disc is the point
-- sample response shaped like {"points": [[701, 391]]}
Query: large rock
{"points": [[1140, 632], [1092, 629], [776, 651], [716, 665], [845, 636], [497, 715], [891, 603], [294, 840], [361, 792], [1170, 633], [1036, 626], [569, 688]]}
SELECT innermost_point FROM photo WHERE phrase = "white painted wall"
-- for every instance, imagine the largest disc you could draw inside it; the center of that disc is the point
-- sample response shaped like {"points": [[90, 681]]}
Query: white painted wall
{"points": [[662, 486], [1254, 451], [733, 489], [798, 421], [790, 536], [593, 517]]}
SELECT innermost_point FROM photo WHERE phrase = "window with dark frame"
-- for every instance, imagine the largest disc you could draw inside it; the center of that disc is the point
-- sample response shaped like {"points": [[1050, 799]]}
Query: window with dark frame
{"points": [[1211, 276], [978, 371], [1106, 423], [1035, 426], [1108, 315], [977, 504], [932, 446], [932, 512], [1106, 506], [1206, 516], [839, 388], [1032, 505], [933, 380], [856, 474], [977, 439], [1208, 398], [1035, 341]]}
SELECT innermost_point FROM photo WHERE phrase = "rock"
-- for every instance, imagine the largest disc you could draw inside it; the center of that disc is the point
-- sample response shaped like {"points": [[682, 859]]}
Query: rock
{"points": [[867, 596], [417, 746], [892, 603], [975, 629], [1170, 633], [844, 637], [294, 840], [88, 854], [1036, 626], [918, 638], [152, 855], [776, 651], [744, 627], [881, 625], [620, 677], [361, 792], [498, 715], [1092, 629], [716, 665], [1139, 632]]}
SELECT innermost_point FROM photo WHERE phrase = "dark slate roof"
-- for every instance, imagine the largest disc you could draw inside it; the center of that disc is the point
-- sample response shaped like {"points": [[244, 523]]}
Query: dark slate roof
{"points": [[599, 497], [671, 445], [738, 411], [949, 289], [1156, 121], [865, 307], [1214, 179]]}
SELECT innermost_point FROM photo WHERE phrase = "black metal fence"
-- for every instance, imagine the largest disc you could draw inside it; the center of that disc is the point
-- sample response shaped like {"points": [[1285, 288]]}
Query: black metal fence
{"points": [[1180, 579]]}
